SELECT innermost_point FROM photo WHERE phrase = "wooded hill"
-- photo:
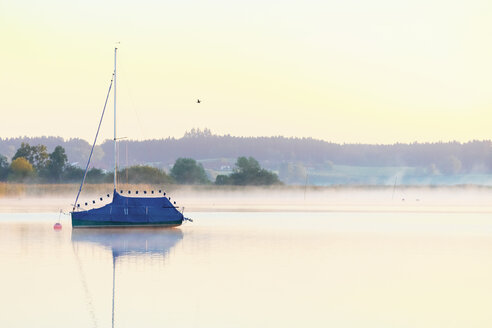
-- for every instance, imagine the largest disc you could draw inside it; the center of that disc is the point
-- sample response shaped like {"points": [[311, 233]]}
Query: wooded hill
{"points": [[220, 152]]}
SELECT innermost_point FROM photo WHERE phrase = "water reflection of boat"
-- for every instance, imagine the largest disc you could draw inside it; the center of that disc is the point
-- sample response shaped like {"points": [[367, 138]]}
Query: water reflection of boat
{"points": [[155, 241], [131, 242]]}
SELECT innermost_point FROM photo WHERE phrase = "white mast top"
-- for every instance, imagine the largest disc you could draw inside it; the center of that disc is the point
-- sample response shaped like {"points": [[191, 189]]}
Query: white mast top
{"points": [[115, 158]]}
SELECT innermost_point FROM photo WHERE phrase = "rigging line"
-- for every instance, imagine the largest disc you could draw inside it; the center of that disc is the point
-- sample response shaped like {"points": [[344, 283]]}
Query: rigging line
{"points": [[94, 144]]}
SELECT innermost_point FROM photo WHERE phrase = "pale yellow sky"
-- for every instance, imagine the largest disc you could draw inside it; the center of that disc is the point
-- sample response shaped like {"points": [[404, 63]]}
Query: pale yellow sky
{"points": [[379, 71]]}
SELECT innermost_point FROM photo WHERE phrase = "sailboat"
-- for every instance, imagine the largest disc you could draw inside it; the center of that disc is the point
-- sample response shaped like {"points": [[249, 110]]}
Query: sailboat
{"points": [[124, 211]]}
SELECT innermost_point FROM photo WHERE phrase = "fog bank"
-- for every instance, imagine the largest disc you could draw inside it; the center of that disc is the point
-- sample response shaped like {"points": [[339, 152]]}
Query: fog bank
{"points": [[254, 199]]}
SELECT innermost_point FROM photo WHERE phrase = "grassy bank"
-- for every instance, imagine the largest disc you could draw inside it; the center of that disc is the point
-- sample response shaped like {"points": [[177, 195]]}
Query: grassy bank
{"points": [[69, 190], [40, 190]]}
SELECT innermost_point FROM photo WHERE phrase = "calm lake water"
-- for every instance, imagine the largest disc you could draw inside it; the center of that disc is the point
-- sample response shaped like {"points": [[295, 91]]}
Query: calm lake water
{"points": [[250, 270]]}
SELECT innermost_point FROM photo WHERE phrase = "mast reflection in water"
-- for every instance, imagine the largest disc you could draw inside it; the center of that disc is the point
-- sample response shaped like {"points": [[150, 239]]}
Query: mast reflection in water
{"points": [[129, 242]]}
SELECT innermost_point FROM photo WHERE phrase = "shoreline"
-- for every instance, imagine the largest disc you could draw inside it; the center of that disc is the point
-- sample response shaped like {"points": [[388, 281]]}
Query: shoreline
{"points": [[8, 189]]}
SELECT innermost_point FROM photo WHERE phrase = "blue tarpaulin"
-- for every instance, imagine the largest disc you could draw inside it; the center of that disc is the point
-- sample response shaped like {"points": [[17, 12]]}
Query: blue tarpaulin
{"points": [[130, 211]]}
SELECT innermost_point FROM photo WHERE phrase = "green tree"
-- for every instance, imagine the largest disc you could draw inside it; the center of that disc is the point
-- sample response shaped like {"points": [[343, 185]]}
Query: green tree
{"points": [[20, 170], [56, 164], [97, 176], [222, 179], [249, 172], [36, 155], [188, 171], [72, 174], [143, 174], [4, 168], [247, 165]]}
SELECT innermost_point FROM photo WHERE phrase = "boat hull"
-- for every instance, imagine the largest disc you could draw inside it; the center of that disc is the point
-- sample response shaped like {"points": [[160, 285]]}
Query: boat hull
{"points": [[77, 223]]}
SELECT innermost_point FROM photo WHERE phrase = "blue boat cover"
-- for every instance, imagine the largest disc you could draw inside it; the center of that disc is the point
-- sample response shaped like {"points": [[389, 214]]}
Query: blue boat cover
{"points": [[132, 210]]}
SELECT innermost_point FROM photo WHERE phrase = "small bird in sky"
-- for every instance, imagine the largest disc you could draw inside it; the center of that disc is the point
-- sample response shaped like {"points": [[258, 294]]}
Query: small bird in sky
{"points": [[198, 101]]}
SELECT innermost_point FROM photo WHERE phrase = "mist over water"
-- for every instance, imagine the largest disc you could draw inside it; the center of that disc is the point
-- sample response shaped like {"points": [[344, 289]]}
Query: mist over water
{"points": [[279, 199]]}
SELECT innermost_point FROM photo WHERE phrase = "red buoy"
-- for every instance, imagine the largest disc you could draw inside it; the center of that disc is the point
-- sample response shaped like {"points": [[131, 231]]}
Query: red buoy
{"points": [[57, 226]]}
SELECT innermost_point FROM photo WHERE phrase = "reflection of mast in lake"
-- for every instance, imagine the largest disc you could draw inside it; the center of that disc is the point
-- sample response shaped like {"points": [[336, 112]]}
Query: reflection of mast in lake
{"points": [[129, 242]]}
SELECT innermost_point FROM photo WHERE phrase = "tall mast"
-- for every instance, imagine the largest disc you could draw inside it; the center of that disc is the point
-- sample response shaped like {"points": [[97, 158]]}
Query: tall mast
{"points": [[115, 158]]}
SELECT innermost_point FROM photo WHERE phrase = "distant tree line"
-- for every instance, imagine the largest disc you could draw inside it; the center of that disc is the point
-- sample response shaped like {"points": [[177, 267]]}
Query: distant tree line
{"points": [[274, 153], [35, 164]]}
